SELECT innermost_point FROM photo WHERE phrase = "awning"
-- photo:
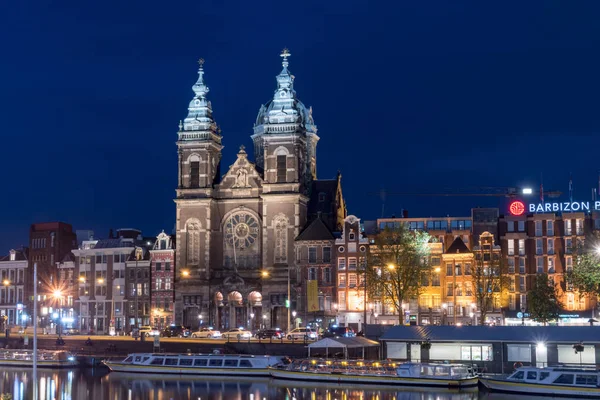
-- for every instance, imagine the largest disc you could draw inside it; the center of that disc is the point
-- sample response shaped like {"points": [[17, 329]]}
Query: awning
{"points": [[344, 343]]}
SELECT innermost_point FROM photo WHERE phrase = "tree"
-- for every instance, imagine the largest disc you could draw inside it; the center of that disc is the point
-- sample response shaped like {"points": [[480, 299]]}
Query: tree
{"points": [[489, 275], [544, 305], [397, 261], [584, 277]]}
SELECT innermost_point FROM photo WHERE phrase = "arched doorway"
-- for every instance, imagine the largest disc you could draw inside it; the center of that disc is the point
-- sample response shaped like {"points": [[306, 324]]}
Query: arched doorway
{"points": [[255, 310], [237, 316]]}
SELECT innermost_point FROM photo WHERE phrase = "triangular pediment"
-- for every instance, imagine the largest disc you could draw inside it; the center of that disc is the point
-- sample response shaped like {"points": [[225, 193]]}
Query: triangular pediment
{"points": [[242, 175]]}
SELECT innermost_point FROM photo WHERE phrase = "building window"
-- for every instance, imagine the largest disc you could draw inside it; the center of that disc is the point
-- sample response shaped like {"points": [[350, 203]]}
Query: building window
{"points": [[281, 168], [435, 279], [511, 287], [326, 254], [540, 265], [312, 274], [568, 230], [459, 289], [327, 275], [351, 236], [550, 246], [521, 265], [570, 301], [510, 226], [193, 242], [449, 289], [352, 280], [341, 264], [521, 283], [550, 227], [568, 245], [341, 300], [511, 265], [158, 266], [511, 247], [458, 270], [312, 255], [512, 301], [521, 247], [167, 266], [280, 225], [538, 228], [195, 174], [539, 246], [342, 280], [551, 265], [579, 227], [352, 263], [521, 226], [569, 264], [321, 197], [448, 269], [168, 283]]}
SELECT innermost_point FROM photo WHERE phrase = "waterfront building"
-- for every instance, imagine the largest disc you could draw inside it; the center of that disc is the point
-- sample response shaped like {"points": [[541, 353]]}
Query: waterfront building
{"points": [[63, 311], [235, 232], [13, 281], [162, 273]]}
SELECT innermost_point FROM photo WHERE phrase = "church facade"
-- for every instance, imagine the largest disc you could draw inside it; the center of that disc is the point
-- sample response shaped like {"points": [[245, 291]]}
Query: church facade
{"points": [[235, 232]]}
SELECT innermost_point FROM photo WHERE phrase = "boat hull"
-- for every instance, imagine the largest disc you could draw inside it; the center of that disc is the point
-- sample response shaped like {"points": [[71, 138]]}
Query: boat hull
{"points": [[374, 379], [40, 364], [175, 370], [534, 389]]}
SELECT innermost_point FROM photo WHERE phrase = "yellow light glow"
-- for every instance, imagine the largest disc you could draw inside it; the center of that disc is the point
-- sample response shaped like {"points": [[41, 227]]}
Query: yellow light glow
{"points": [[437, 269], [185, 273], [265, 274], [6, 282], [391, 266], [82, 279], [100, 280], [57, 293]]}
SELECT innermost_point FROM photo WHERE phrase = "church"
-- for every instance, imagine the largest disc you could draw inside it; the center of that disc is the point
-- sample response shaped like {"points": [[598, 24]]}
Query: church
{"points": [[235, 232]]}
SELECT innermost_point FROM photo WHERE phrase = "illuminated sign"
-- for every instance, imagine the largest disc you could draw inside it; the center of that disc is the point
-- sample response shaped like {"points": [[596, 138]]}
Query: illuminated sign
{"points": [[567, 206], [517, 207]]}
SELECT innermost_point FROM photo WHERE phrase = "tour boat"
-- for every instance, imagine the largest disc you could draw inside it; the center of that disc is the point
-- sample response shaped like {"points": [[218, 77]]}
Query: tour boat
{"points": [[195, 364], [453, 376], [46, 359], [550, 381]]}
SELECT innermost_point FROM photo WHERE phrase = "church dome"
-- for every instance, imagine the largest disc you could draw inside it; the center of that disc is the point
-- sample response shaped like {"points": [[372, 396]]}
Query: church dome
{"points": [[285, 112]]}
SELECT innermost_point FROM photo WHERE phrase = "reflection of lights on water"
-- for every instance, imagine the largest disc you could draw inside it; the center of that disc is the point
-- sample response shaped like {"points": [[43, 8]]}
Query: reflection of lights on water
{"points": [[129, 394]]}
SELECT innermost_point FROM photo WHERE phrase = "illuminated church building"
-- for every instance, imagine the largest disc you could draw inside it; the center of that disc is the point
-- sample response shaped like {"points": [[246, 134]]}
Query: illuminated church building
{"points": [[236, 232]]}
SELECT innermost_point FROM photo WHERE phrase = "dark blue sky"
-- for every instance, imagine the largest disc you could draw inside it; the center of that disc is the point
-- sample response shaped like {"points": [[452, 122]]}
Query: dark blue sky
{"points": [[409, 96]]}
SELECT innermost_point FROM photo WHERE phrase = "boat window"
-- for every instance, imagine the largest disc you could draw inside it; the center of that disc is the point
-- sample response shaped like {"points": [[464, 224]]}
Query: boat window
{"points": [[231, 363], [128, 359], [137, 359], [442, 371], [171, 361], [544, 375], [186, 361], [566, 379], [200, 362], [531, 374], [215, 363], [157, 361], [245, 363], [586, 380], [518, 375], [144, 359]]}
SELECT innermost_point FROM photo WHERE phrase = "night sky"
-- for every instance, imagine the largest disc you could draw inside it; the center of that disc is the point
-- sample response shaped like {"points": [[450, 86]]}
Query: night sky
{"points": [[409, 96]]}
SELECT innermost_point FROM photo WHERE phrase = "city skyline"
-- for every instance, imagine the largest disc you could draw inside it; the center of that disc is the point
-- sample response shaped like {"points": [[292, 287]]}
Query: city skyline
{"points": [[454, 98]]}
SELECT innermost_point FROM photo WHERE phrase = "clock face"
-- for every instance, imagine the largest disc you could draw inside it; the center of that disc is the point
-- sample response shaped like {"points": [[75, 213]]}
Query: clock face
{"points": [[241, 230]]}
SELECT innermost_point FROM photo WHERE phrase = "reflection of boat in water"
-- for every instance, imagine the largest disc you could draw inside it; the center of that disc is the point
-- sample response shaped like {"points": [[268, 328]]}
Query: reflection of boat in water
{"points": [[195, 364], [46, 359], [378, 373], [300, 390], [550, 381], [198, 385]]}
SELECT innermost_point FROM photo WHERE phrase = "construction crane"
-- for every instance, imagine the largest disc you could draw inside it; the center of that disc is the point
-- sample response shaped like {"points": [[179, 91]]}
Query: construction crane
{"points": [[485, 191]]}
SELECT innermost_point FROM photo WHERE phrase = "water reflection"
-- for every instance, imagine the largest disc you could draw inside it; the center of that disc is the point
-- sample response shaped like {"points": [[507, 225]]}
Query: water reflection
{"points": [[99, 385]]}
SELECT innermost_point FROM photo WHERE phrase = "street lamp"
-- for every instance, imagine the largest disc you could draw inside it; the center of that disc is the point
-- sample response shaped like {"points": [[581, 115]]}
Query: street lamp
{"points": [[522, 316], [57, 294], [375, 315], [251, 320], [185, 273], [6, 282], [264, 321], [294, 313], [444, 310]]}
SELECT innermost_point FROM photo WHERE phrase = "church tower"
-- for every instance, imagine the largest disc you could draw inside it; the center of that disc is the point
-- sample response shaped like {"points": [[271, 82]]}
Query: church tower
{"points": [[285, 138], [199, 145]]}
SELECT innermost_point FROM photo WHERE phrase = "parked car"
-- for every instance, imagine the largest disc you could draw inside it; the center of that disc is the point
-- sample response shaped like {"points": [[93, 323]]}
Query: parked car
{"points": [[71, 331], [206, 333], [339, 331], [147, 331], [302, 333], [237, 333], [175, 331], [269, 333]]}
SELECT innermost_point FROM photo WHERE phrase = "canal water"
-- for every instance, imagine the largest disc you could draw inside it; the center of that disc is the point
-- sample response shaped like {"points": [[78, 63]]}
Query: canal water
{"points": [[98, 384]]}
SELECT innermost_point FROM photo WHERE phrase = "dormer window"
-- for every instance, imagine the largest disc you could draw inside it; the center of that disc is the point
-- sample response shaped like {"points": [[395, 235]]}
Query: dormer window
{"points": [[13, 255], [352, 236], [138, 254]]}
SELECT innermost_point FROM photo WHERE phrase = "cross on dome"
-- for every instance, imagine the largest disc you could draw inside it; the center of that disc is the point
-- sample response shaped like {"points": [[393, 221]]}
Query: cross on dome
{"points": [[285, 53]]}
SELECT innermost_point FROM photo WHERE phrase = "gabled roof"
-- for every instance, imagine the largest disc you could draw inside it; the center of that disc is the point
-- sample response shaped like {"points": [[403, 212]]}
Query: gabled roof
{"points": [[316, 230], [20, 255], [458, 247]]}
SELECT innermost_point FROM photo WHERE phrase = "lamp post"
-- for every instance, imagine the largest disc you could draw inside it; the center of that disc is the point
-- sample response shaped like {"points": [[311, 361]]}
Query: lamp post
{"points": [[264, 321], [335, 308], [57, 294], [200, 321], [251, 320], [289, 298], [444, 310], [522, 316], [294, 313]]}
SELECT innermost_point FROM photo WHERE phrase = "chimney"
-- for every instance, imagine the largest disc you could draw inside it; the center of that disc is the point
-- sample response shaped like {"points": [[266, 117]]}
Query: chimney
{"points": [[110, 234], [404, 213]]}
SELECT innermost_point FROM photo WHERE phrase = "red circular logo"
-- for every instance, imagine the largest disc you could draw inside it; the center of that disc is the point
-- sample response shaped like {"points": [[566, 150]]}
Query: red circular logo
{"points": [[517, 207]]}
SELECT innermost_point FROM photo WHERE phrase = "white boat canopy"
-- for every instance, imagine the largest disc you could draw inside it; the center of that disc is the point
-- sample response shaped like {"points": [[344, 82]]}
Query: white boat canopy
{"points": [[344, 343]]}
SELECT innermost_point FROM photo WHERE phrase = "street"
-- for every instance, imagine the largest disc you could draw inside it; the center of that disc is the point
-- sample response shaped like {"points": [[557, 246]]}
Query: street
{"points": [[107, 338]]}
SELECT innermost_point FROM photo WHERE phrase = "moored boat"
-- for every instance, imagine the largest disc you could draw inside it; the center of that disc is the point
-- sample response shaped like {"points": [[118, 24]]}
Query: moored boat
{"points": [[195, 364], [550, 381], [378, 372], [46, 359]]}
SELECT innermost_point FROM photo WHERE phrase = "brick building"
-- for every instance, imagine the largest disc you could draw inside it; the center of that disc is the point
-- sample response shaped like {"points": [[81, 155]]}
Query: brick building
{"points": [[13, 282], [162, 272]]}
